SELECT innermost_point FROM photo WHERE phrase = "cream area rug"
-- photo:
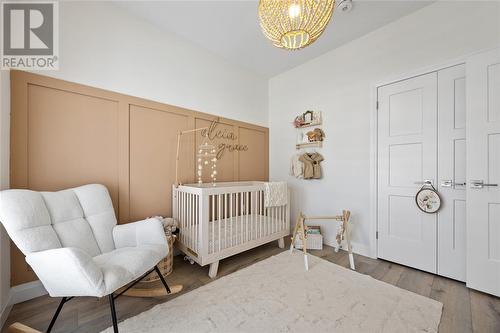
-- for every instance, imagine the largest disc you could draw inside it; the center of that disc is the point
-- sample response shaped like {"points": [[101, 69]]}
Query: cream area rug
{"points": [[277, 295]]}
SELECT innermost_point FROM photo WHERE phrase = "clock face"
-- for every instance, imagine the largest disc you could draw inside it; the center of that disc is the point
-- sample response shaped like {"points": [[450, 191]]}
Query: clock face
{"points": [[428, 200]]}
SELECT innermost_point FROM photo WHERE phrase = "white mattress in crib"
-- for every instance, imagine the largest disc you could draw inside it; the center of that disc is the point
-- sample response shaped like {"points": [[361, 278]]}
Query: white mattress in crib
{"points": [[236, 230]]}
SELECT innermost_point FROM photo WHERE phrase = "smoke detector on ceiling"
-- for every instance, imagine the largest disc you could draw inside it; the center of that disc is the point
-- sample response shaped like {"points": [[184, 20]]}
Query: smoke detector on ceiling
{"points": [[345, 6]]}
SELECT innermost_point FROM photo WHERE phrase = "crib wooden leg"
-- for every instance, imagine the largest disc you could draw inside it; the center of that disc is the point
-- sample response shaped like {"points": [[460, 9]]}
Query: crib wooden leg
{"points": [[281, 243], [212, 271]]}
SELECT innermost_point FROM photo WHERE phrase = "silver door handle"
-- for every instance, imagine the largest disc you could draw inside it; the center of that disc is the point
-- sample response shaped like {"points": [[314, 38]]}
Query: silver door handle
{"points": [[478, 184], [425, 182], [450, 183]]}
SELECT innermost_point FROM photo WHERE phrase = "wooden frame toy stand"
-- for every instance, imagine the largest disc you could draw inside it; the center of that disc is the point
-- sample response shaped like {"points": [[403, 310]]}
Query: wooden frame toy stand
{"points": [[300, 231]]}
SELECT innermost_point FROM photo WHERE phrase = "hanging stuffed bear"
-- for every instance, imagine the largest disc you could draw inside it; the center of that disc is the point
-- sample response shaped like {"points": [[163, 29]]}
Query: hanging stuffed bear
{"points": [[316, 135]]}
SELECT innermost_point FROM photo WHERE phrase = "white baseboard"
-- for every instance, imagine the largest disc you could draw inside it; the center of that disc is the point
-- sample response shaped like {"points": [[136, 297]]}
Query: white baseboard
{"points": [[26, 291], [357, 248], [4, 313]]}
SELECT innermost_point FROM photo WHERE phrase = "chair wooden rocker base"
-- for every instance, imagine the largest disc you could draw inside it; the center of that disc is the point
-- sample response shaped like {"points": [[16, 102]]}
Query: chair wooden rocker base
{"points": [[127, 291]]}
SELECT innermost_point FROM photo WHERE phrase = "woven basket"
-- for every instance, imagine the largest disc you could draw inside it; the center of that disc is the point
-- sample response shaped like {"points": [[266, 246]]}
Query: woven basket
{"points": [[313, 242], [166, 266]]}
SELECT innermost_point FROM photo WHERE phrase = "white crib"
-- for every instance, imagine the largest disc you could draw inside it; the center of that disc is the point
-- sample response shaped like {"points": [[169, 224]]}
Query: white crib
{"points": [[219, 221]]}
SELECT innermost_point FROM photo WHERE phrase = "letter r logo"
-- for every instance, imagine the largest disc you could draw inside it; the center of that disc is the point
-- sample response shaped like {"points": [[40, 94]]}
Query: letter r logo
{"points": [[28, 29]]}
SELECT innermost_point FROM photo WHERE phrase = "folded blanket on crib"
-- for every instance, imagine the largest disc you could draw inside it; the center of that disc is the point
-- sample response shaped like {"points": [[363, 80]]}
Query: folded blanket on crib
{"points": [[275, 194]]}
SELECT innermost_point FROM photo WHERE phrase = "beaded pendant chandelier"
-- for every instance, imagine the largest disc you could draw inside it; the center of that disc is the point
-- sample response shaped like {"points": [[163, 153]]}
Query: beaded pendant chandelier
{"points": [[294, 24]]}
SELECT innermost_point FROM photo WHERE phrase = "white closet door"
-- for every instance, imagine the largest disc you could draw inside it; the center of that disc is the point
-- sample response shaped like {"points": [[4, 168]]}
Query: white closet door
{"points": [[451, 172], [483, 166], [407, 153]]}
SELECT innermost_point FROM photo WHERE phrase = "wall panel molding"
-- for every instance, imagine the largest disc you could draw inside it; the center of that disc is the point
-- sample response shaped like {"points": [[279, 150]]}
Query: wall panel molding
{"points": [[65, 134]]}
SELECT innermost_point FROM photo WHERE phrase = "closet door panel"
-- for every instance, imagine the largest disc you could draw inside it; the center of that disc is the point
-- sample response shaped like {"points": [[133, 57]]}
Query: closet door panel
{"points": [[153, 143], [452, 172], [407, 155], [483, 163]]}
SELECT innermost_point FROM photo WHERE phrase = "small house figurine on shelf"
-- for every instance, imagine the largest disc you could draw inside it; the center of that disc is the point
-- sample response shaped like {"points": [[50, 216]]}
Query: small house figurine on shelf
{"points": [[308, 118]]}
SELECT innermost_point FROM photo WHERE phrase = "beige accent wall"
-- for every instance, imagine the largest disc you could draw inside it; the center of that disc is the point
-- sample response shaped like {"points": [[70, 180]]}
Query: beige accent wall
{"points": [[65, 134]]}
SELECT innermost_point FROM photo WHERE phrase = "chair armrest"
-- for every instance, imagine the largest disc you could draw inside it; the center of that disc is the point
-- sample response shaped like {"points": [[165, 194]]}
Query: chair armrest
{"points": [[67, 272], [145, 232]]}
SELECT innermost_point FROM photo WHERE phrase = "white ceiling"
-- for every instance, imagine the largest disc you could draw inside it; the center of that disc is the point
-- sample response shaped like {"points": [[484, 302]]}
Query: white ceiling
{"points": [[231, 28]]}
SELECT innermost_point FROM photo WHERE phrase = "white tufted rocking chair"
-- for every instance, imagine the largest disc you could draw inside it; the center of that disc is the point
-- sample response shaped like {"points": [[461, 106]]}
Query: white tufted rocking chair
{"points": [[71, 240]]}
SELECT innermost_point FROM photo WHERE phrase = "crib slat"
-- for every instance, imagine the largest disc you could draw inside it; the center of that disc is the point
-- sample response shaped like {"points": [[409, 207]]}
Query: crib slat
{"points": [[247, 207], [278, 218], [285, 218], [242, 217], [175, 204], [236, 217], [191, 220], [231, 218], [273, 219], [268, 223], [176, 211], [184, 210], [218, 217], [282, 225], [179, 217], [254, 216], [182, 216], [198, 211], [213, 224], [186, 214], [186, 218], [283, 213], [226, 213], [260, 214], [273, 215]]}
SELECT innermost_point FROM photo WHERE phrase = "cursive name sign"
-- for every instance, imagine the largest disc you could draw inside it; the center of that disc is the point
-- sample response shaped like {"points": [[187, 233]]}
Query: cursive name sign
{"points": [[213, 133]]}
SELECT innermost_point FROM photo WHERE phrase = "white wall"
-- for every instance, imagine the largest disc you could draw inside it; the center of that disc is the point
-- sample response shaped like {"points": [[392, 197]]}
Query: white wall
{"points": [[105, 46], [339, 83]]}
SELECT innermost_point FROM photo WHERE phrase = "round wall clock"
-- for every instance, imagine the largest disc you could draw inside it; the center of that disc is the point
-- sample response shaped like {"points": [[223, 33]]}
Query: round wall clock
{"points": [[428, 200]]}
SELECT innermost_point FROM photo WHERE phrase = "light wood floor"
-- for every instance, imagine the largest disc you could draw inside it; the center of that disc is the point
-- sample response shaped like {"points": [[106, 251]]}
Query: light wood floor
{"points": [[464, 310]]}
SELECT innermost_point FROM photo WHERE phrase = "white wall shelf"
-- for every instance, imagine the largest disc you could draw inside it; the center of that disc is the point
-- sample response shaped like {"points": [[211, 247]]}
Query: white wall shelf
{"points": [[317, 144]]}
